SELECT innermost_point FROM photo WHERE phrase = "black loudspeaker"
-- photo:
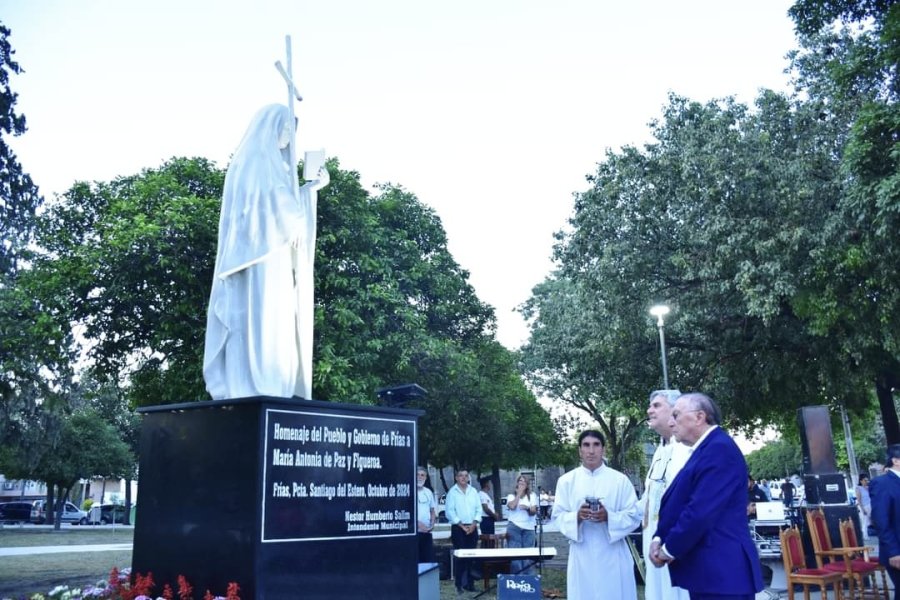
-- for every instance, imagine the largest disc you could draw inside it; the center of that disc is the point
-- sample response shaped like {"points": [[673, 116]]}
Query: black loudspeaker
{"points": [[830, 488], [816, 440]]}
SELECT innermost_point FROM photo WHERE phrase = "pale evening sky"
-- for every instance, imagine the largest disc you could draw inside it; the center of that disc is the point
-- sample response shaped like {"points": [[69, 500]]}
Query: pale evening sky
{"points": [[492, 112]]}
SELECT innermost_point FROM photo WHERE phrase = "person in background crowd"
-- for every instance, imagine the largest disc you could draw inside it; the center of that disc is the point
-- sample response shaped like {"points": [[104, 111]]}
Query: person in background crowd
{"points": [[600, 562], [754, 494], [864, 502], [426, 515], [488, 516], [787, 493], [522, 506], [463, 509], [668, 459], [546, 502], [885, 493]]}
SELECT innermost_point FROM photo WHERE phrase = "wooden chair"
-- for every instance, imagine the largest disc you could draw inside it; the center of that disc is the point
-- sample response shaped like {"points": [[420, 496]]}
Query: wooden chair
{"points": [[849, 540], [492, 568], [797, 574], [840, 560]]}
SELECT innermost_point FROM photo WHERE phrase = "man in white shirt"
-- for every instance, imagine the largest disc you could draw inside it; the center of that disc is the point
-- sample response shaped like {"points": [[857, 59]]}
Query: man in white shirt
{"points": [[426, 510], [463, 508]]}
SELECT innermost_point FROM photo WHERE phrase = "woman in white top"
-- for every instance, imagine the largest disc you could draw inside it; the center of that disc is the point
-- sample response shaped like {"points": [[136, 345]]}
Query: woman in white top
{"points": [[522, 505]]}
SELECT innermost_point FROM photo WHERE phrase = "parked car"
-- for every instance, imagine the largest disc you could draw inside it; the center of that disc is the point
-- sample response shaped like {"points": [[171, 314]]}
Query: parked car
{"points": [[15, 512], [106, 514], [71, 513]]}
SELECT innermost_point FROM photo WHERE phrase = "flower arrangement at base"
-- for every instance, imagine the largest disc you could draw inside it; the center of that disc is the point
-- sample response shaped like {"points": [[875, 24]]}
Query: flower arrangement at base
{"points": [[120, 587]]}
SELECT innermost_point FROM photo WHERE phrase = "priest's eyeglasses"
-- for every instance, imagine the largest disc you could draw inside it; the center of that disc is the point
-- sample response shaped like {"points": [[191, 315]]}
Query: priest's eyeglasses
{"points": [[658, 470]]}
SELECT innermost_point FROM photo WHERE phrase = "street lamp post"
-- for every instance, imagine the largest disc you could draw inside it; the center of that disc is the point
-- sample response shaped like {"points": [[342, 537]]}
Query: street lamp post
{"points": [[659, 311]]}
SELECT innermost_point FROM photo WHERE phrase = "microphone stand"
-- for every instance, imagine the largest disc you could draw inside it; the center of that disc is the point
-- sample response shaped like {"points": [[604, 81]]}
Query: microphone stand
{"points": [[540, 524]]}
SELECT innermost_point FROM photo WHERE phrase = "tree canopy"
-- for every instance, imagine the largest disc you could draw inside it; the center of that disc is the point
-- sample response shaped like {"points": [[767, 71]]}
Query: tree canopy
{"points": [[770, 231], [130, 263]]}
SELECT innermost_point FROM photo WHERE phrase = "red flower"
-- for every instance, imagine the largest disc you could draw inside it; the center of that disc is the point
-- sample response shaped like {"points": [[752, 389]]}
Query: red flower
{"points": [[168, 594], [114, 578], [233, 589], [143, 585], [184, 589]]}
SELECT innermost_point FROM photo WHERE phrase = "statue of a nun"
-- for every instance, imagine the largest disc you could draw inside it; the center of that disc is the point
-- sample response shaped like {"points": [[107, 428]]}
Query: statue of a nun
{"points": [[259, 327]]}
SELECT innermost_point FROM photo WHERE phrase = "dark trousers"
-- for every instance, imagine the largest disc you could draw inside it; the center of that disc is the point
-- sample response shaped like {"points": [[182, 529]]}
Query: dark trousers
{"points": [[462, 567], [895, 579], [487, 525], [426, 547]]}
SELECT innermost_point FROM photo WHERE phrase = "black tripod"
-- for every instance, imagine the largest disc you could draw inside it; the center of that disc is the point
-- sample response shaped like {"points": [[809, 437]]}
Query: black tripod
{"points": [[540, 535]]}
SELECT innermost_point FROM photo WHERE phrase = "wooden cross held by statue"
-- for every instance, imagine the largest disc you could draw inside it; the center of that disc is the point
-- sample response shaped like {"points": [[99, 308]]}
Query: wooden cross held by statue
{"points": [[292, 94]]}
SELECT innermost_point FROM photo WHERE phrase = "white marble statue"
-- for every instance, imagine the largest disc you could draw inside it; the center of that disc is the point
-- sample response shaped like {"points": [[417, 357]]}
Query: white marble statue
{"points": [[259, 326]]}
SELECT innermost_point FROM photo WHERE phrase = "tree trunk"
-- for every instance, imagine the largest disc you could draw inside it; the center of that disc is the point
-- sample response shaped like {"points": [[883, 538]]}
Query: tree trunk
{"points": [[61, 507], [495, 486], [49, 510], [884, 384]]}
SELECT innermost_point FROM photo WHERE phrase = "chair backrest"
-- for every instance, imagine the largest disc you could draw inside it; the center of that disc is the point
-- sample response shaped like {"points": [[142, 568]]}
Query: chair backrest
{"points": [[818, 530], [493, 540], [792, 550], [848, 533]]}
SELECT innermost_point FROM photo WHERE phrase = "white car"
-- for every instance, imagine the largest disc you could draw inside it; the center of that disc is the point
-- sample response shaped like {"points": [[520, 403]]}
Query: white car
{"points": [[70, 514]]}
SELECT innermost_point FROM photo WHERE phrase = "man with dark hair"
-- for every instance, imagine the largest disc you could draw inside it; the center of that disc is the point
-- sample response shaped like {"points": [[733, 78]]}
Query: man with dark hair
{"points": [[488, 515], [787, 493], [754, 494], [885, 493], [702, 533], [596, 508]]}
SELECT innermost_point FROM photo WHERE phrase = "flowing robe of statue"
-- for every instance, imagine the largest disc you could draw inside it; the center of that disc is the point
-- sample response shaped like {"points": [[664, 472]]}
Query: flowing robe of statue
{"points": [[260, 320]]}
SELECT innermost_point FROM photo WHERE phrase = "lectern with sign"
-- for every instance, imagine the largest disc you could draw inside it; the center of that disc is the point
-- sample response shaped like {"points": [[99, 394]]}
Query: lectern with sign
{"points": [[289, 498]]}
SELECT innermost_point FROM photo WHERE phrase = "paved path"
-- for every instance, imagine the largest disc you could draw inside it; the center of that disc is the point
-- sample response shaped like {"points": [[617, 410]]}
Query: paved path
{"points": [[26, 550]]}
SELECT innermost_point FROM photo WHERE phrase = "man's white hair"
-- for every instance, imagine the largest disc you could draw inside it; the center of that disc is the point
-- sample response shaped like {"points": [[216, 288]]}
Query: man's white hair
{"points": [[670, 395]]}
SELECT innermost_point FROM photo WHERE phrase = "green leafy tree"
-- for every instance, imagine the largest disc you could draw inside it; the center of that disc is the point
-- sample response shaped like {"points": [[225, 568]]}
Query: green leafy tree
{"points": [[483, 417], [847, 66], [131, 261], [86, 446], [719, 218], [109, 401], [19, 198], [34, 358], [575, 354], [388, 292], [777, 459]]}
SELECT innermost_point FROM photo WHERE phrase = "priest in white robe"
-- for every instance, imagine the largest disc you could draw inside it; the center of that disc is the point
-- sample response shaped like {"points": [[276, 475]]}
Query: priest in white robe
{"points": [[260, 319], [600, 563], [668, 459]]}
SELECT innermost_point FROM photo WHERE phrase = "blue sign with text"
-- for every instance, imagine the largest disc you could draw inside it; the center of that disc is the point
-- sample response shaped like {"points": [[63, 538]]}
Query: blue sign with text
{"points": [[517, 587]]}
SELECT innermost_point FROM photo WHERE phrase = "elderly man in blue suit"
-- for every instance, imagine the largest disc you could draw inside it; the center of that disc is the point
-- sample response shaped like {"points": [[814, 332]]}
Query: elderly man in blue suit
{"points": [[702, 533], [885, 493]]}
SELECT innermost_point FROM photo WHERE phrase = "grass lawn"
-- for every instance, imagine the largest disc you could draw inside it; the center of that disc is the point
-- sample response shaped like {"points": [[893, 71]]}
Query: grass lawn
{"points": [[21, 576]]}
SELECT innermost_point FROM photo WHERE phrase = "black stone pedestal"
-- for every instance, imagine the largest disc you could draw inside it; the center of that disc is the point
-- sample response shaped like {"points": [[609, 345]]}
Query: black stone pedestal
{"points": [[288, 498]]}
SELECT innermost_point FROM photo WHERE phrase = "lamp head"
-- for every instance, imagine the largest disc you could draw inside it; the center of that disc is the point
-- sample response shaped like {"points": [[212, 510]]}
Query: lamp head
{"points": [[659, 311]]}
